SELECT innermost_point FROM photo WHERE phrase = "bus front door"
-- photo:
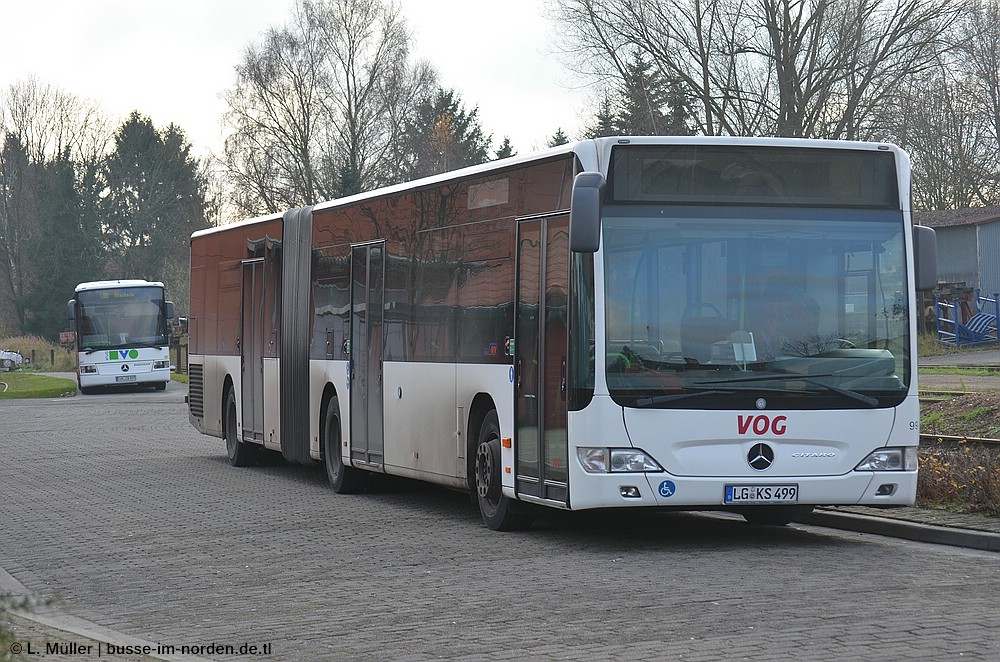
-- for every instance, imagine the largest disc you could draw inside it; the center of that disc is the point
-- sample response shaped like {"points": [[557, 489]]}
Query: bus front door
{"points": [[252, 349], [366, 350], [540, 345]]}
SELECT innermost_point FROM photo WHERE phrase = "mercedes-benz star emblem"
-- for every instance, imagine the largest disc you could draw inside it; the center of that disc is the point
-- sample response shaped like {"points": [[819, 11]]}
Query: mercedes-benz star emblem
{"points": [[124, 367], [760, 457]]}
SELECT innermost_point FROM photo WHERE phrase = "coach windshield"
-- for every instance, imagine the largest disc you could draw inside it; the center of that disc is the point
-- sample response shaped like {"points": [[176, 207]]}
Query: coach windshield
{"points": [[121, 317]]}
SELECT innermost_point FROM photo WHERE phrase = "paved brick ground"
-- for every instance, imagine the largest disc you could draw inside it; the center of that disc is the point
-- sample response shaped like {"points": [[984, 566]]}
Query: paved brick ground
{"points": [[137, 524]]}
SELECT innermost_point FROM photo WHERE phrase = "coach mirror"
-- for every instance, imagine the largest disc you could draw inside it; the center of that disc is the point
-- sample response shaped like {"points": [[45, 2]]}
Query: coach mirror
{"points": [[585, 212], [924, 258], [71, 309]]}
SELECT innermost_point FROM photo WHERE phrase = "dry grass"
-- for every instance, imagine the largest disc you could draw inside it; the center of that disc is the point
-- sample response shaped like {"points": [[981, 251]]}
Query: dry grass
{"points": [[48, 356], [963, 477]]}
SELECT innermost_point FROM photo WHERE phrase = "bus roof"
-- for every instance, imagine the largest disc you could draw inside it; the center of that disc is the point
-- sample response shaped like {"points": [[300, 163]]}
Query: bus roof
{"points": [[594, 155], [113, 284]]}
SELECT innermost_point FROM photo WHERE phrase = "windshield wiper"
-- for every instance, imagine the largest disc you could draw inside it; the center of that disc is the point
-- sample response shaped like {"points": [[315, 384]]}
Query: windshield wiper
{"points": [[847, 393], [660, 399]]}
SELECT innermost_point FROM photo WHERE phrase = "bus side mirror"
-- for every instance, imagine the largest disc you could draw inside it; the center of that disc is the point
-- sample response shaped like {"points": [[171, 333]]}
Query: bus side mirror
{"points": [[169, 305], [71, 309], [585, 212], [924, 258]]}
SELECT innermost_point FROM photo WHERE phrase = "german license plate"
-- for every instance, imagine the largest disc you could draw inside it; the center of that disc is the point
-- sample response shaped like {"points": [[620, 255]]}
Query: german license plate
{"points": [[125, 378], [762, 494]]}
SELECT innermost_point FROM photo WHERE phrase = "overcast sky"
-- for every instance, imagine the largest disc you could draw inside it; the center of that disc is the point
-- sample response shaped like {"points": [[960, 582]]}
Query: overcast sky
{"points": [[171, 59]]}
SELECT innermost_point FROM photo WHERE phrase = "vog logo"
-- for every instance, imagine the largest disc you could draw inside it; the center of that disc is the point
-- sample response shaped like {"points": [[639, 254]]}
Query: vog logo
{"points": [[761, 424]]}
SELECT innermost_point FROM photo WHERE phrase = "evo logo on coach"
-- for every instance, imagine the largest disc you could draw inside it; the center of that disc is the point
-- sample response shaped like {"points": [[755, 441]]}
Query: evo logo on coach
{"points": [[761, 424]]}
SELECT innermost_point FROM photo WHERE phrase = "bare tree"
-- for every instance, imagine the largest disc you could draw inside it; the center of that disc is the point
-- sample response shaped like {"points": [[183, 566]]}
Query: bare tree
{"points": [[979, 66], [941, 125], [816, 68], [318, 105], [276, 149]]}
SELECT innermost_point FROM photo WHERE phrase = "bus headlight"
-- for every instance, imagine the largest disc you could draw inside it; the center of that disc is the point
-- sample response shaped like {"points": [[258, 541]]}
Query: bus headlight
{"points": [[161, 364], [890, 459], [88, 369], [615, 460]]}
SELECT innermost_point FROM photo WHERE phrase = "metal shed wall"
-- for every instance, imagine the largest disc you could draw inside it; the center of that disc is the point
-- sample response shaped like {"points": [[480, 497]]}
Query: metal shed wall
{"points": [[989, 258], [957, 254]]}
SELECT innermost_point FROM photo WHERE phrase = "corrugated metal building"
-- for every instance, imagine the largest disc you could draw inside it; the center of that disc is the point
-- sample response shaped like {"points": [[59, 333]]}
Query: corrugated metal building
{"points": [[968, 246]]}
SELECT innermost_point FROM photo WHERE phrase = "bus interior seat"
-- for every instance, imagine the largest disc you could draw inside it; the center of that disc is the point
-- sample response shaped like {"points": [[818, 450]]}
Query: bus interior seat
{"points": [[699, 332]]}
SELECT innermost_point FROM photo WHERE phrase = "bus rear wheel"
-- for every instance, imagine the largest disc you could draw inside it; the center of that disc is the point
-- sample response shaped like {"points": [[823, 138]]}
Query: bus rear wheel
{"points": [[241, 453], [343, 479], [499, 512]]}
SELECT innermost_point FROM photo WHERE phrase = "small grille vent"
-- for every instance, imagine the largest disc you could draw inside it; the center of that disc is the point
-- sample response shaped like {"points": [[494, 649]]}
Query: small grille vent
{"points": [[196, 389]]}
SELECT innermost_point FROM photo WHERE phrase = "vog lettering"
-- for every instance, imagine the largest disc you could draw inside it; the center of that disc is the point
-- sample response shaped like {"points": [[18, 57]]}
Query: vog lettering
{"points": [[761, 424]]}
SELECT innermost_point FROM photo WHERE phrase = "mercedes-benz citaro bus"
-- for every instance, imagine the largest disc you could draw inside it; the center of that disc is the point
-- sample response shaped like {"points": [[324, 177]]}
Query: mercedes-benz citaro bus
{"points": [[687, 323]]}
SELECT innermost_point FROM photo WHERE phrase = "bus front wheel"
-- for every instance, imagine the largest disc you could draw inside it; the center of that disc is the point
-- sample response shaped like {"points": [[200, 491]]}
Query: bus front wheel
{"points": [[241, 453], [343, 479], [499, 512]]}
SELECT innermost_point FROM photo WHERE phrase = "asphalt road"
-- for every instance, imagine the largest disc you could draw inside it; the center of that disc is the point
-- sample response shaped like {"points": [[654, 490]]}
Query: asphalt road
{"points": [[137, 526]]}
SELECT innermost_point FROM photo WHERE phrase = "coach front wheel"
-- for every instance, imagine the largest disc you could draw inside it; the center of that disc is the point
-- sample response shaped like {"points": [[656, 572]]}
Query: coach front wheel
{"points": [[241, 453], [499, 512]]}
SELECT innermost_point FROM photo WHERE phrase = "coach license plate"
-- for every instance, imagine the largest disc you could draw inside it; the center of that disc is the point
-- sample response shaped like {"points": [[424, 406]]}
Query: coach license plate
{"points": [[762, 494], [125, 378]]}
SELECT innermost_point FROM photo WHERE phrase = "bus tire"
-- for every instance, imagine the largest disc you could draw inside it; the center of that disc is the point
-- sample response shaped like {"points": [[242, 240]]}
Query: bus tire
{"points": [[343, 479], [241, 453], [499, 512], [774, 515], [160, 386]]}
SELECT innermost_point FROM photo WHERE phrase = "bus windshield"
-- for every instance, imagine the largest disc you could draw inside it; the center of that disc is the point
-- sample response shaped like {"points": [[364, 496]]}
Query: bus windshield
{"points": [[121, 317], [714, 310]]}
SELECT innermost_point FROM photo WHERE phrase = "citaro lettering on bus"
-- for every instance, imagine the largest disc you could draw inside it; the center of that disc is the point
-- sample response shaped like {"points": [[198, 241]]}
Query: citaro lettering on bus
{"points": [[761, 424]]}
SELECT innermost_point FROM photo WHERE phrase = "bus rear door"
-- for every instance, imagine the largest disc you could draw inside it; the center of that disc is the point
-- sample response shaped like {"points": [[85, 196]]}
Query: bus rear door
{"points": [[366, 351]]}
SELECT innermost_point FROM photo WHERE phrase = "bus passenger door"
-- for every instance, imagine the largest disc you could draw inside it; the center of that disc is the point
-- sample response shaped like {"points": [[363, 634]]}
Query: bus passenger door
{"points": [[366, 349], [252, 349], [540, 346]]}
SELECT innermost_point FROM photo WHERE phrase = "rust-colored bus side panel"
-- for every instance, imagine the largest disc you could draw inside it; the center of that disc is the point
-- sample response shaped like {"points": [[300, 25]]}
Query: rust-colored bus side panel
{"points": [[450, 249], [216, 282]]}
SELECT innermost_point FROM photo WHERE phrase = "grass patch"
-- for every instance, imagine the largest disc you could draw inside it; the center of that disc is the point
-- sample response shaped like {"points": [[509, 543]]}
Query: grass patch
{"points": [[930, 420], [975, 413], [179, 377], [967, 372], [20, 385]]}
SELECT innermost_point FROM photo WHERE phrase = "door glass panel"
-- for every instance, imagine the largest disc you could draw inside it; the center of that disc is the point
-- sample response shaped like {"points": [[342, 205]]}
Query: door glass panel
{"points": [[526, 350], [358, 350], [556, 263]]}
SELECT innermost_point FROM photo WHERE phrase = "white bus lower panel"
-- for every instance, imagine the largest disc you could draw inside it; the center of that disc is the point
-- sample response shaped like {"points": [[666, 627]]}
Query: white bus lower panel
{"points": [[888, 488]]}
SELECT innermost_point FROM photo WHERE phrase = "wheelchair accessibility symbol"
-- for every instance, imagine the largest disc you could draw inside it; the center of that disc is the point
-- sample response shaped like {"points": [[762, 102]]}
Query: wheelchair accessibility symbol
{"points": [[667, 488]]}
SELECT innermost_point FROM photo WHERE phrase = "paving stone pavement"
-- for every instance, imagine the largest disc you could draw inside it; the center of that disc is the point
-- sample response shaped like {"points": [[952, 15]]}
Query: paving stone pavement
{"points": [[143, 533]]}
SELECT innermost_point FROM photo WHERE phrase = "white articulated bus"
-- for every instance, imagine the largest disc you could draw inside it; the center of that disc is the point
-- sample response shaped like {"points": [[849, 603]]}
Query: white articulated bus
{"points": [[121, 334], [689, 323]]}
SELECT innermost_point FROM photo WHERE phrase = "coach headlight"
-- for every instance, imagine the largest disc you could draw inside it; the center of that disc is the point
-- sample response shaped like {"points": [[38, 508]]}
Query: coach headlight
{"points": [[615, 460], [890, 459]]}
